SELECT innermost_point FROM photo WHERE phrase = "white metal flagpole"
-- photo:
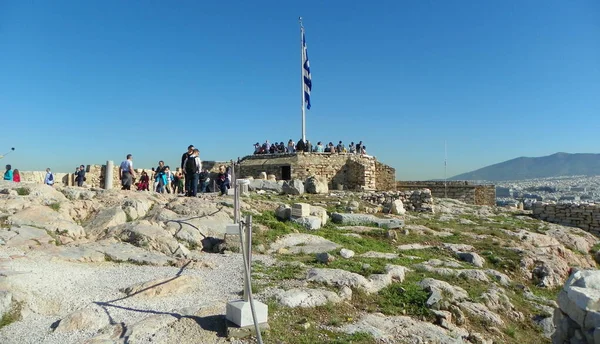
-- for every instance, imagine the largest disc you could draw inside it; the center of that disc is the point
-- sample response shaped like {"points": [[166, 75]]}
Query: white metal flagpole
{"points": [[302, 58], [445, 167]]}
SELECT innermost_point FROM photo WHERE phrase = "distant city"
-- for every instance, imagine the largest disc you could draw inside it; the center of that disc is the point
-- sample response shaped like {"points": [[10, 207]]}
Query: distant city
{"points": [[566, 189]]}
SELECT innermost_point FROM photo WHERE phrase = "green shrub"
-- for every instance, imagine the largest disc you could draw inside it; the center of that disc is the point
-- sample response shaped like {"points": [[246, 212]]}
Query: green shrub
{"points": [[22, 191]]}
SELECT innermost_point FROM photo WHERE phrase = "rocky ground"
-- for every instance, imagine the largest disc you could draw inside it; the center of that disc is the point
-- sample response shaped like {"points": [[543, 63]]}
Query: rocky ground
{"points": [[96, 266]]}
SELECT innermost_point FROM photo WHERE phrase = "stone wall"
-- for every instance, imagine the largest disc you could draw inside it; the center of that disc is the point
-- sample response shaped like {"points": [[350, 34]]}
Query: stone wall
{"points": [[460, 190], [584, 216], [414, 200], [577, 320], [95, 174], [341, 171]]}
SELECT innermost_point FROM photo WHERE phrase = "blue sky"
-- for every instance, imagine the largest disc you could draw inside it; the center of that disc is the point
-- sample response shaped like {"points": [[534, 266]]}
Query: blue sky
{"points": [[82, 82]]}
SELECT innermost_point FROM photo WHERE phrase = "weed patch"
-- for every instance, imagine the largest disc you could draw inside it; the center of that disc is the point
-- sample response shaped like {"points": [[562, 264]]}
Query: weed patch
{"points": [[22, 191]]}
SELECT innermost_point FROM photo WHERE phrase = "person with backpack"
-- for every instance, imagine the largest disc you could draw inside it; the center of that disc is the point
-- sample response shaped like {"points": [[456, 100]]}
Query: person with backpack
{"points": [[192, 172], [49, 180], [8, 175]]}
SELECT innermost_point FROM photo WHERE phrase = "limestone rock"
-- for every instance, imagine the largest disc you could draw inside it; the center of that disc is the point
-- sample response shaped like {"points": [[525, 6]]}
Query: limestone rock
{"points": [[319, 212], [303, 243], [145, 234], [25, 236], [283, 212], [401, 329], [472, 258], [106, 218], [345, 253], [306, 297], [77, 193], [89, 318], [452, 293], [164, 286], [398, 207], [293, 187], [480, 311], [5, 302], [136, 208], [313, 185], [363, 219], [265, 185], [308, 222], [339, 278], [44, 217], [124, 252]]}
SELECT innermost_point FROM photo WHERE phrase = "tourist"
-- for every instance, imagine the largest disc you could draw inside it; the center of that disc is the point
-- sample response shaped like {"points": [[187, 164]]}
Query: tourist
{"points": [[320, 148], [192, 172], [281, 147], [257, 148], [204, 180], [358, 147], [159, 180], [340, 147], [273, 149], [184, 156], [363, 150], [16, 176], [144, 183], [8, 175], [49, 179], [168, 179], [126, 173], [309, 147], [301, 146], [80, 175], [178, 185], [291, 147], [352, 147], [222, 180]]}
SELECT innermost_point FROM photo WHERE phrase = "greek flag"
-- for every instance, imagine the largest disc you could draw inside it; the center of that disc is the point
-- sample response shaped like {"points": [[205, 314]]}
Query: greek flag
{"points": [[306, 72]]}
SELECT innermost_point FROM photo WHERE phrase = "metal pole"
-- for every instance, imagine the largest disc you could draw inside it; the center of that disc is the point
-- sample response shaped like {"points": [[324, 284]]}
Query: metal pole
{"points": [[302, 79], [247, 243], [445, 167]]}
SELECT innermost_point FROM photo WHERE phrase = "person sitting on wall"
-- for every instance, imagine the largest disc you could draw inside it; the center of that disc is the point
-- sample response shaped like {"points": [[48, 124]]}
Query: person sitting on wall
{"points": [[352, 148], [222, 180], [340, 147], [320, 148], [291, 146], [309, 147], [281, 147], [273, 149], [300, 146], [257, 148]]}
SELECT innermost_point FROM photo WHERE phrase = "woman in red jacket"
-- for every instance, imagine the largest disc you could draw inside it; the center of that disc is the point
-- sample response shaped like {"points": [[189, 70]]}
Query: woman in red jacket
{"points": [[16, 176]]}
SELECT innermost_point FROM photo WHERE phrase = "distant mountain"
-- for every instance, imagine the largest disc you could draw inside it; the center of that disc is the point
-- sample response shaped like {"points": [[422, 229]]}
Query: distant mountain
{"points": [[555, 165]]}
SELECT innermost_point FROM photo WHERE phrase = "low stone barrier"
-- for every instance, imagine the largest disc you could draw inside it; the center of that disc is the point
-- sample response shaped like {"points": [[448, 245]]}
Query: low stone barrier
{"points": [[584, 216], [414, 200]]}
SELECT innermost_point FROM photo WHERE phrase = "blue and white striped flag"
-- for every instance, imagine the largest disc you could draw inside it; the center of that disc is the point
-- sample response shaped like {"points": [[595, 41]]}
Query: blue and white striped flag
{"points": [[306, 72]]}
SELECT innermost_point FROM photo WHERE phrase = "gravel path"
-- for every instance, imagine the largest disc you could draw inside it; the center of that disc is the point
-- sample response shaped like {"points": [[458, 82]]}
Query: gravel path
{"points": [[55, 288]]}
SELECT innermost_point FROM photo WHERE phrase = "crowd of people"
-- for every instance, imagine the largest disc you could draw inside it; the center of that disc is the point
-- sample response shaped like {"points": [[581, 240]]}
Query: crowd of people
{"points": [[15, 175], [307, 147], [189, 179]]}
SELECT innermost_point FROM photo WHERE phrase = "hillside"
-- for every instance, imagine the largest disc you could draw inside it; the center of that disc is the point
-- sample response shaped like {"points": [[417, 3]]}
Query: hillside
{"points": [[558, 164]]}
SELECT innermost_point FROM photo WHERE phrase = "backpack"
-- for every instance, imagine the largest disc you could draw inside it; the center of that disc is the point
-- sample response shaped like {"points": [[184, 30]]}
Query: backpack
{"points": [[51, 178], [190, 164]]}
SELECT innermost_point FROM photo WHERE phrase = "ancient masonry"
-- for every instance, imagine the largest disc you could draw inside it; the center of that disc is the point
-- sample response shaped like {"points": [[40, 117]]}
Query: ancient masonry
{"points": [[584, 216], [463, 191], [341, 171], [95, 175]]}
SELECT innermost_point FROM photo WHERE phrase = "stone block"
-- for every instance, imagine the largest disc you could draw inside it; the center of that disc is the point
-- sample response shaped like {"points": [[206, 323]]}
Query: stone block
{"points": [[240, 313], [300, 210]]}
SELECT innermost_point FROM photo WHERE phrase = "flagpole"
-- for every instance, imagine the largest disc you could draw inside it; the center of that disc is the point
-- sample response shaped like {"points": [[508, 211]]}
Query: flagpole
{"points": [[302, 79], [445, 167]]}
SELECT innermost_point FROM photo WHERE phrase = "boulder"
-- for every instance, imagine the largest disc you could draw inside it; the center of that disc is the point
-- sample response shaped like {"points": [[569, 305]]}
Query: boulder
{"points": [[45, 217], [147, 235], [106, 218], [124, 252], [77, 193], [308, 222], [480, 311], [293, 187], [319, 212], [303, 243], [25, 236], [265, 185], [339, 278], [90, 318], [313, 185], [283, 212], [398, 207], [136, 208], [324, 258], [472, 258], [451, 293], [262, 176], [306, 297], [345, 253], [363, 219]]}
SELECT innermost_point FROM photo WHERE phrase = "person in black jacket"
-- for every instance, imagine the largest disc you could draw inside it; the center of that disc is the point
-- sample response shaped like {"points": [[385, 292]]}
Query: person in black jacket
{"points": [[184, 157], [80, 175]]}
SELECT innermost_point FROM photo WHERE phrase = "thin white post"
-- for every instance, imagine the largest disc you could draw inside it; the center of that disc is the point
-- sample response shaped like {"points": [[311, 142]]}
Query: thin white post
{"points": [[302, 80], [108, 175], [445, 167]]}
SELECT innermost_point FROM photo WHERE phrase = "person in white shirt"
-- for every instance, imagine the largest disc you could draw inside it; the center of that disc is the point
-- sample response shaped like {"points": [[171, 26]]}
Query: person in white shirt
{"points": [[126, 173]]}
